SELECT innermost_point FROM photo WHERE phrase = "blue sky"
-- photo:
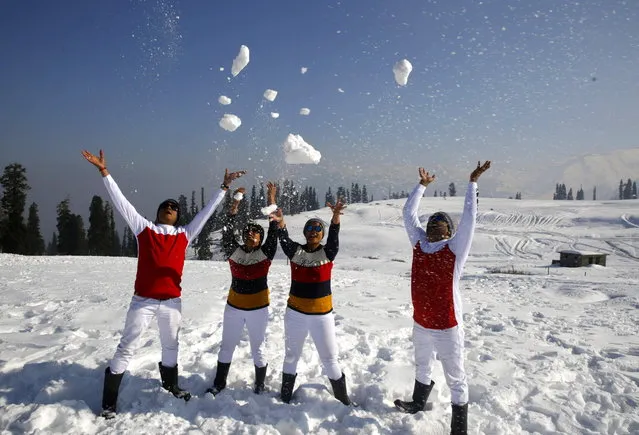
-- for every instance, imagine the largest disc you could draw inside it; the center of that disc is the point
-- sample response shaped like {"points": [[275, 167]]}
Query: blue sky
{"points": [[510, 81]]}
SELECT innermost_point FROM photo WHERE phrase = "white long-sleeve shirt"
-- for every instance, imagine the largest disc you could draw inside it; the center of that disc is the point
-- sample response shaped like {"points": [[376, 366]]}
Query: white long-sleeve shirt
{"points": [[437, 266]]}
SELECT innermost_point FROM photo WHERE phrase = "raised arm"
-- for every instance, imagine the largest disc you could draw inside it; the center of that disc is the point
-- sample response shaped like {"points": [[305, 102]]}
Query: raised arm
{"points": [[332, 242], [269, 247], [288, 246], [462, 240], [134, 220], [411, 218], [194, 227]]}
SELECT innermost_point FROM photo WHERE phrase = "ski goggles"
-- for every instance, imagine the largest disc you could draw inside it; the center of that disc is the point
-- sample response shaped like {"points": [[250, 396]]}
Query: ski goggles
{"points": [[317, 228]]}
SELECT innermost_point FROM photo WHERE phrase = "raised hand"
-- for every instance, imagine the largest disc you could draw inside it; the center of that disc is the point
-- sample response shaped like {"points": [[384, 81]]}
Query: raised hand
{"points": [[480, 169], [277, 216], [230, 176], [338, 207], [98, 162], [271, 191], [425, 178]]}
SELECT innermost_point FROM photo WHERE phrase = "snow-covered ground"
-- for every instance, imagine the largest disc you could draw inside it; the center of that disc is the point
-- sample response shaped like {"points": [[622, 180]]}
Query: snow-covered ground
{"points": [[549, 350]]}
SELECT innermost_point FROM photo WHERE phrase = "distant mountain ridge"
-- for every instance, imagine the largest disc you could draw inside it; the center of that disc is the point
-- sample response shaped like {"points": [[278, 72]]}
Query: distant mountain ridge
{"points": [[587, 171]]}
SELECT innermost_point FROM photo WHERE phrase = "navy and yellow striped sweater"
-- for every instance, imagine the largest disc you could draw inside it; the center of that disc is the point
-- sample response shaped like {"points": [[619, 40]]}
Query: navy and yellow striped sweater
{"points": [[249, 269], [311, 273]]}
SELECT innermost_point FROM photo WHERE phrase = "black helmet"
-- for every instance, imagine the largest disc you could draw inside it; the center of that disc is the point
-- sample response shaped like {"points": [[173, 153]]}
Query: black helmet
{"points": [[252, 226]]}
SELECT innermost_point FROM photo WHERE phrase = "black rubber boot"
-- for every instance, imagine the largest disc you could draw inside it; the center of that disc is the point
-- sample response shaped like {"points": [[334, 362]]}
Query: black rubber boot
{"points": [[459, 420], [219, 383], [339, 390], [420, 396], [288, 383], [170, 382], [260, 376], [110, 393]]}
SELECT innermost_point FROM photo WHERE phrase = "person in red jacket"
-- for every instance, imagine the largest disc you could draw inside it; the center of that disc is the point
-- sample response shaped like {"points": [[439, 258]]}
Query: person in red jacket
{"points": [[439, 255], [161, 253]]}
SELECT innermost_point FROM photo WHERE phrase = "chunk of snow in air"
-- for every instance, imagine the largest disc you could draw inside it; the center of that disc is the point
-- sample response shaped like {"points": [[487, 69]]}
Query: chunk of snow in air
{"points": [[402, 70], [240, 61], [298, 152], [230, 122], [303, 70], [270, 94], [340, 90], [275, 115], [305, 111], [224, 100], [269, 209]]}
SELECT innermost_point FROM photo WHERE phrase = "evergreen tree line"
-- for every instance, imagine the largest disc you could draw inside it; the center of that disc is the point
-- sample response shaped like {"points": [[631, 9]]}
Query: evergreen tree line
{"points": [[628, 190], [102, 238], [562, 194]]}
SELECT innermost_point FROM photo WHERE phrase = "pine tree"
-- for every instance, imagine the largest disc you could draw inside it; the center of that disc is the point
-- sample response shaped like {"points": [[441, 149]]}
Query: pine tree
{"points": [[329, 197], [451, 189], [634, 190], [185, 215], [570, 197], [52, 247], [254, 205], [71, 235], [98, 234], [129, 243], [34, 241], [115, 248], [627, 190], [364, 194], [15, 187], [193, 211], [620, 189], [594, 193]]}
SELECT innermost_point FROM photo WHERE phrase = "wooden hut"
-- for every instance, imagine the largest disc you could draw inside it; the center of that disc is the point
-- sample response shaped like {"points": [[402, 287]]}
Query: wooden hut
{"points": [[571, 258]]}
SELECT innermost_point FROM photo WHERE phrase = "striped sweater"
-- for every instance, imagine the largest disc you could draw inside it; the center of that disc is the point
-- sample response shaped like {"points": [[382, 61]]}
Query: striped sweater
{"points": [[249, 269], [311, 273]]}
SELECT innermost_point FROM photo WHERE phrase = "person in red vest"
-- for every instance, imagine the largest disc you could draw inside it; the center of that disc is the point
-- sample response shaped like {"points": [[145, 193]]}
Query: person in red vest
{"points": [[162, 246], [310, 302], [439, 255]]}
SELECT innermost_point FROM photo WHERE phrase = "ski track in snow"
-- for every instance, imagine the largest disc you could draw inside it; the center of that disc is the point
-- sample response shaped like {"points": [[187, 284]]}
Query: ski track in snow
{"points": [[552, 351]]}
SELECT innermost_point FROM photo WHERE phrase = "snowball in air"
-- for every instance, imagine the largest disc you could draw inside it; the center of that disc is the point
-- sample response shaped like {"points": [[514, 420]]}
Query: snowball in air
{"points": [[224, 100], [230, 122], [303, 70], [305, 111], [275, 115], [270, 94], [402, 70], [240, 61], [298, 152], [238, 196], [269, 209]]}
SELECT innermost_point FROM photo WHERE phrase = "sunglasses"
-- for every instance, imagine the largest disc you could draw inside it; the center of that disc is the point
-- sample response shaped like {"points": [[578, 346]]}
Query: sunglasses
{"points": [[171, 206], [316, 228], [252, 230]]}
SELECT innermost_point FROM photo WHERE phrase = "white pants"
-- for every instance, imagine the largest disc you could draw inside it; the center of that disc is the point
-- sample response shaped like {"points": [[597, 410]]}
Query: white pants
{"points": [[141, 312], [234, 321], [447, 345], [322, 329]]}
